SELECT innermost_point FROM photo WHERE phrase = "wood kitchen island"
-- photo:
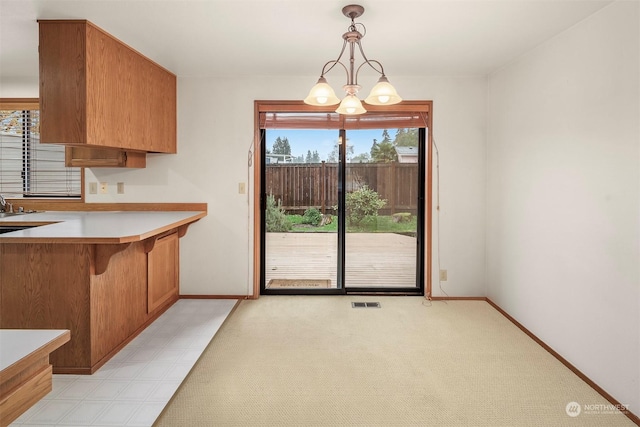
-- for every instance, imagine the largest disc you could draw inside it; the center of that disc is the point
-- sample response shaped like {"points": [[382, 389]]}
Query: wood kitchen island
{"points": [[105, 276]]}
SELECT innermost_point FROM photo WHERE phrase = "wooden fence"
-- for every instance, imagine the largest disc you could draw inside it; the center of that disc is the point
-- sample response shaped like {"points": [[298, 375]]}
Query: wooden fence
{"points": [[300, 186]]}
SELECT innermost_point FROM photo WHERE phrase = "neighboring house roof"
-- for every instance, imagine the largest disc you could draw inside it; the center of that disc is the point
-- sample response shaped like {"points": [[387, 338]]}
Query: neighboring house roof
{"points": [[407, 154], [407, 151]]}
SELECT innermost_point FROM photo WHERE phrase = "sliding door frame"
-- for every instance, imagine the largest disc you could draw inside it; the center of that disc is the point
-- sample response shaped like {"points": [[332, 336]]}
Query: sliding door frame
{"points": [[425, 107]]}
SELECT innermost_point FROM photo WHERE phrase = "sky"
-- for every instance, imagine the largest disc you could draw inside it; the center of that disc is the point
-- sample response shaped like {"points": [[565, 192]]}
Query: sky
{"points": [[323, 141]]}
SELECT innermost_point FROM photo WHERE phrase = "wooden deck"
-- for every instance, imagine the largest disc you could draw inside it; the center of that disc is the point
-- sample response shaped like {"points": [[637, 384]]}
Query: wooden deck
{"points": [[372, 259]]}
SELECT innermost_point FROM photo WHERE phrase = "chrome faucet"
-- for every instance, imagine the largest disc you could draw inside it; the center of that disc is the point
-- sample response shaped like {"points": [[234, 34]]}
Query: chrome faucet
{"points": [[4, 203]]}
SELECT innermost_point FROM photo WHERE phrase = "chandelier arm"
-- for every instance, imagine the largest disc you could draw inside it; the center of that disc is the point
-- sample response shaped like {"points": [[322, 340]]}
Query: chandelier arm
{"points": [[382, 93], [335, 61], [369, 61]]}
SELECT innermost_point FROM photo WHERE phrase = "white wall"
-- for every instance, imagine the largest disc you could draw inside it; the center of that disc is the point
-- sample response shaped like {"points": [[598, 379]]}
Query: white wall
{"points": [[19, 87], [213, 145], [564, 196], [214, 140]]}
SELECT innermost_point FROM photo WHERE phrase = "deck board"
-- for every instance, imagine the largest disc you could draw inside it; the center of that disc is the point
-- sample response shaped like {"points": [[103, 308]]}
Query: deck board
{"points": [[372, 259]]}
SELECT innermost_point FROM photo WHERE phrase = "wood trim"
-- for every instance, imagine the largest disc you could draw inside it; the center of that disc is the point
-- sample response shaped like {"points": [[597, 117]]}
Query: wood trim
{"points": [[26, 395], [428, 209], [238, 297], [264, 106], [257, 205], [76, 205], [39, 354], [28, 380], [116, 240], [19, 104], [633, 417], [300, 106]]}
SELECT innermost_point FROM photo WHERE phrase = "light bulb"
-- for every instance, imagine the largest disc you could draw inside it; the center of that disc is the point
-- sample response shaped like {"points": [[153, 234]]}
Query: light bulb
{"points": [[351, 105], [322, 94], [383, 93]]}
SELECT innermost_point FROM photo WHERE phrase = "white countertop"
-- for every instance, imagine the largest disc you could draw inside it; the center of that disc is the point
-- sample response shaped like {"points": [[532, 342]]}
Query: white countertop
{"points": [[18, 343], [94, 227]]}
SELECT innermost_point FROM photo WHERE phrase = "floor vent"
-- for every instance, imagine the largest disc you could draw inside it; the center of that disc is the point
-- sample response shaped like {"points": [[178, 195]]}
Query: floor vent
{"points": [[366, 305]]}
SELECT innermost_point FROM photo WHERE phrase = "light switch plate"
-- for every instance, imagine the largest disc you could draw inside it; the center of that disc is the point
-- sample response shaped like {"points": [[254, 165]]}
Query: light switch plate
{"points": [[120, 188], [241, 188], [93, 188], [104, 188]]}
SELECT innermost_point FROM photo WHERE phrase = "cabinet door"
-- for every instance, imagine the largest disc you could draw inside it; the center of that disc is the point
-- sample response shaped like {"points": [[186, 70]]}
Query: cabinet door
{"points": [[163, 271], [96, 91]]}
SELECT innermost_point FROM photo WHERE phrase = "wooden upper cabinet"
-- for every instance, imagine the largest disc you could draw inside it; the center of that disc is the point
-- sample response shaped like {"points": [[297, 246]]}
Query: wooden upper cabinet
{"points": [[96, 91]]}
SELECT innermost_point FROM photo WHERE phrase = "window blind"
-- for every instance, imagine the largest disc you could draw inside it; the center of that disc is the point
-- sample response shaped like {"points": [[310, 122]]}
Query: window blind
{"points": [[31, 169], [369, 120], [297, 115]]}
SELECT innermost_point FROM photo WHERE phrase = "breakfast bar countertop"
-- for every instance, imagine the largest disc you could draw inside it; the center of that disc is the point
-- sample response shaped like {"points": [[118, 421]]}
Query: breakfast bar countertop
{"points": [[93, 227]]}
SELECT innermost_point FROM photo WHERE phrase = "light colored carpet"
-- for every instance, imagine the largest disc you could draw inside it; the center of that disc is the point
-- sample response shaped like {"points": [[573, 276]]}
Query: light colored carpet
{"points": [[315, 361]]}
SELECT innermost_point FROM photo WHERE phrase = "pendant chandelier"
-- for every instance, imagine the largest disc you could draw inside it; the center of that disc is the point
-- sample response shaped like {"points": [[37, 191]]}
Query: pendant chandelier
{"points": [[382, 93]]}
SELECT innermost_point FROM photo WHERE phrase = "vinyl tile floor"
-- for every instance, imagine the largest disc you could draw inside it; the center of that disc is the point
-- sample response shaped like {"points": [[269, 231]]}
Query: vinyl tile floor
{"points": [[134, 386]]}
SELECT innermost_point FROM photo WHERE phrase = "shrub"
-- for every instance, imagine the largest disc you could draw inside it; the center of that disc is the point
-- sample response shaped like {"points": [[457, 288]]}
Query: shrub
{"points": [[401, 217], [363, 203], [276, 218], [312, 216]]}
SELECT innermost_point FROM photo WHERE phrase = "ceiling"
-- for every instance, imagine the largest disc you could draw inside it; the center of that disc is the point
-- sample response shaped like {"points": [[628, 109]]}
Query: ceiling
{"points": [[296, 37]]}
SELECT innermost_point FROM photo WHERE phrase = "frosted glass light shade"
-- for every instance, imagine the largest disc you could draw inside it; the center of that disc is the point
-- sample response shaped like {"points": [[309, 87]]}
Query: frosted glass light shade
{"points": [[322, 94], [351, 105], [383, 93]]}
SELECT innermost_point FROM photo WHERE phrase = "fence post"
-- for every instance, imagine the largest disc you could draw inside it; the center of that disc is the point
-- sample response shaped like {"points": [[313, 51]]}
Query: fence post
{"points": [[393, 188], [323, 178]]}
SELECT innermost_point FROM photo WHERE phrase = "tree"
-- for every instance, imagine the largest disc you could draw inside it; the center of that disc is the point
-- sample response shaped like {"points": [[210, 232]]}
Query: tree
{"points": [[312, 157], [333, 156], [383, 152], [406, 138], [281, 146], [385, 136], [361, 158]]}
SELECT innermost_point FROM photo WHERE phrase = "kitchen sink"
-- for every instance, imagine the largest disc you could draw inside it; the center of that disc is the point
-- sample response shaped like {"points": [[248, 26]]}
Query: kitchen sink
{"points": [[10, 228], [8, 214]]}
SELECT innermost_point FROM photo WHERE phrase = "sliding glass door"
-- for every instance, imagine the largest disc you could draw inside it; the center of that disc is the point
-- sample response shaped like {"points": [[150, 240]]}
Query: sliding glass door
{"points": [[382, 211], [342, 210], [301, 203]]}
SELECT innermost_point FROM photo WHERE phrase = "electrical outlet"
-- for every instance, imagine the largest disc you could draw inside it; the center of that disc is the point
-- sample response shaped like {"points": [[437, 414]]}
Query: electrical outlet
{"points": [[104, 188], [443, 275], [241, 188], [120, 188], [93, 188]]}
